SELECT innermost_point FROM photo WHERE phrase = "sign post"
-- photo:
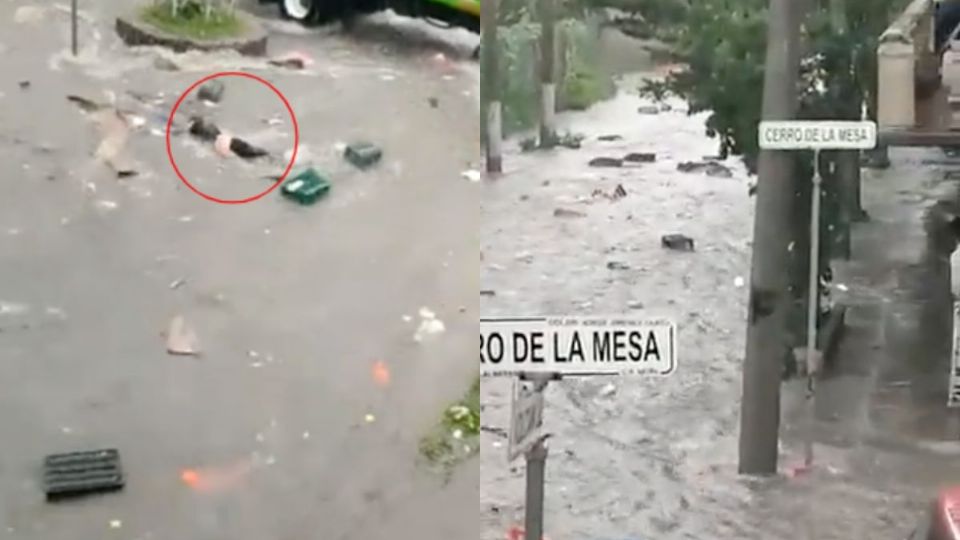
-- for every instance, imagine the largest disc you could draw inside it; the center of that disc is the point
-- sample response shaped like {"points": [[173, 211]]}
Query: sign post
{"points": [[543, 349], [526, 419], [816, 136]]}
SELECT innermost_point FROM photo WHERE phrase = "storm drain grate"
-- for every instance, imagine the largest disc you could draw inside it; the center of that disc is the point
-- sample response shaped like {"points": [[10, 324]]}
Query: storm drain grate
{"points": [[82, 473]]}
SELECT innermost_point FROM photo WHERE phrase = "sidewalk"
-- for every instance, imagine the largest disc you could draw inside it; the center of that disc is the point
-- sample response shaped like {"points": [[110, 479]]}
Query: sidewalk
{"points": [[882, 406]]}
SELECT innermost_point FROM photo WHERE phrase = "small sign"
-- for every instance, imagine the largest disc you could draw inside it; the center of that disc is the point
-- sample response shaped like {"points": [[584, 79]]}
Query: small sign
{"points": [[577, 346], [817, 135], [953, 398], [526, 420]]}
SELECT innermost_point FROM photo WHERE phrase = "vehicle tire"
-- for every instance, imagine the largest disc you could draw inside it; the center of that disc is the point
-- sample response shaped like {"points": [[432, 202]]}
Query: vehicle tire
{"points": [[305, 12]]}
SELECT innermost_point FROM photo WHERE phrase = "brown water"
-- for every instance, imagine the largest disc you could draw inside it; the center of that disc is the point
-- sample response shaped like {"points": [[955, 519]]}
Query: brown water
{"points": [[636, 459]]}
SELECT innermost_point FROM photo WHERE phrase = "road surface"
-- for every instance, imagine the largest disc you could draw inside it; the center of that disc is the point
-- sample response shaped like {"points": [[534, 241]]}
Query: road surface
{"points": [[292, 305]]}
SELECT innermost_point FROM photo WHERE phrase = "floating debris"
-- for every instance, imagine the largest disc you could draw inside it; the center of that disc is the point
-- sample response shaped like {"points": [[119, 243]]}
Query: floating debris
{"points": [[293, 60], [710, 168], [567, 213], [363, 154], [605, 162], [677, 242], [381, 373], [430, 325], [181, 339], [640, 157], [211, 92], [190, 477]]}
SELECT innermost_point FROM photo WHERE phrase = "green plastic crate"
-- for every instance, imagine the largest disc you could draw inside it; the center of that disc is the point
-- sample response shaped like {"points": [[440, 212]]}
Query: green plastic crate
{"points": [[306, 187], [363, 154]]}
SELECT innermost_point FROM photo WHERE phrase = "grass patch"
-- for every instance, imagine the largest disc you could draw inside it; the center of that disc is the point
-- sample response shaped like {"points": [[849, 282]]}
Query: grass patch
{"points": [[583, 88], [455, 438], [192, 21]]}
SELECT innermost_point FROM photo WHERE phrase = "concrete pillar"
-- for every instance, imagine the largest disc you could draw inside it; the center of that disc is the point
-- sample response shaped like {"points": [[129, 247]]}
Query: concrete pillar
{"points": [[896, 99]]}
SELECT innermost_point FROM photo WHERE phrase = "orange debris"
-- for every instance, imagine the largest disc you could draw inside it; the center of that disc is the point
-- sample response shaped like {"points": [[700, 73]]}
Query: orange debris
{"points": [[190, 477], [381, 373]]}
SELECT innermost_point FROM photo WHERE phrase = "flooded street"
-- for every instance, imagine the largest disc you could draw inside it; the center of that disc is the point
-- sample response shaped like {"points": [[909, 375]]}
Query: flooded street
{"points": [[277, 429], [638, 458]]}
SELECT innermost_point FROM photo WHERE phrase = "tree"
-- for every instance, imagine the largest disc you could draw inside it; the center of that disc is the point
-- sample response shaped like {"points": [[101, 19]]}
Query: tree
{"points": [[548, 86], [722, 43]]}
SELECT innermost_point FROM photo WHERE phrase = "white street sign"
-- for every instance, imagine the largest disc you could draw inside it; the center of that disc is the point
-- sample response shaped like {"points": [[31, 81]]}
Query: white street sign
{"points": [[817, 135], [577, 346], [526, 420], [953, 398]]}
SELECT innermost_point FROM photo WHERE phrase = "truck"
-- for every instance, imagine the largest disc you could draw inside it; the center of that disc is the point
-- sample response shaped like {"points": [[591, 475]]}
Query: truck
{"points": [[459, 13]]}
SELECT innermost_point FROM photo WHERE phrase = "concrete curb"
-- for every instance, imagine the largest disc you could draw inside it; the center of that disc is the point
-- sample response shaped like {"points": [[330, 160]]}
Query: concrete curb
{"points": [[135, 33], [831, 335]]}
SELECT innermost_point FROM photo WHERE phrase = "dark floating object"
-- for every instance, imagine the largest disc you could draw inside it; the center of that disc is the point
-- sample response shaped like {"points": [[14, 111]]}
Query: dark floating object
{"points": [[82, 473], [677, 242], [85, 104], [203, 130], [211, 91], [640, 157], [246, 150], [605, 162]]}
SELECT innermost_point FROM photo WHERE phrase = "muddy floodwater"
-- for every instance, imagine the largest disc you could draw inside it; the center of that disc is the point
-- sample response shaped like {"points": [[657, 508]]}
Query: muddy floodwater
{"points": [[640, 458], [283, 424]]}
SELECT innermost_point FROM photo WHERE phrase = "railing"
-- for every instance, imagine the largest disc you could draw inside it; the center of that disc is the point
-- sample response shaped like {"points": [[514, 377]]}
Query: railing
{"points": [[907, 67]]}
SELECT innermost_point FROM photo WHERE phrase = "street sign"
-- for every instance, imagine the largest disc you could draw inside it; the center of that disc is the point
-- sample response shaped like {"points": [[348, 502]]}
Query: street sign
{"points": [[510, 346], [817, 135], [953, 397], [526, 420]]}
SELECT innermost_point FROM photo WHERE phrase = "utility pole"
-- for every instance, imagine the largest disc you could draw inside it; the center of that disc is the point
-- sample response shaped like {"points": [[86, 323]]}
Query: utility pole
{"points": [[769, 301], [73, 27], [548, 87], [492, 86]]}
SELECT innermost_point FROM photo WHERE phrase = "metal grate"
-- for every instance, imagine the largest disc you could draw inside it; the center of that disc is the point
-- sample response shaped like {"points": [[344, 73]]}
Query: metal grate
{"points": [[81, 473]]}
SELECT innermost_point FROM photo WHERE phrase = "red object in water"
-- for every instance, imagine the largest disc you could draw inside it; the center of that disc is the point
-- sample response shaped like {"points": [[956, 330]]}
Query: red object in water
{"points": [[517, 533], [946, 515], [797, 471]]}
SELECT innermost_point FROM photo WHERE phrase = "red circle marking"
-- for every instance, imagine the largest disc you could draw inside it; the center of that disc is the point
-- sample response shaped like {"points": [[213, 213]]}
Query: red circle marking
{"points": [[293, 118]]}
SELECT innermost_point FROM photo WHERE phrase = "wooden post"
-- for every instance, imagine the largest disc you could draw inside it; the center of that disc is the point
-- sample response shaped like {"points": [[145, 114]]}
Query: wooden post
{"points": [[491, 83], [548, 86]]}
